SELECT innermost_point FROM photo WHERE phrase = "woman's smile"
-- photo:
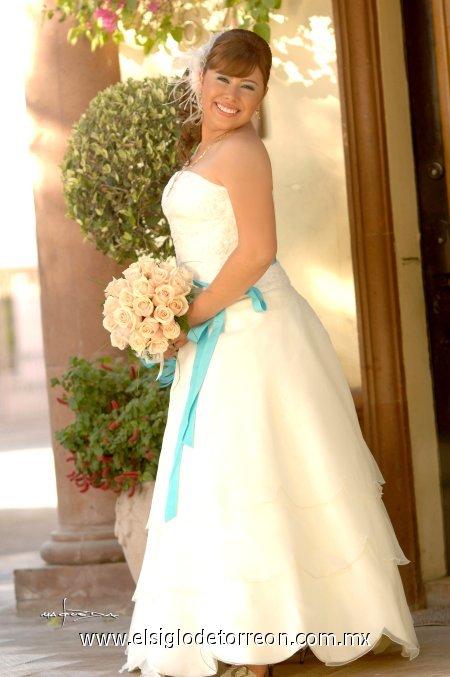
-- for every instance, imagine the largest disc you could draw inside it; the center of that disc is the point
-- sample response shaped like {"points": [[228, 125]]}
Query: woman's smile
{"points": [[229, 111]]}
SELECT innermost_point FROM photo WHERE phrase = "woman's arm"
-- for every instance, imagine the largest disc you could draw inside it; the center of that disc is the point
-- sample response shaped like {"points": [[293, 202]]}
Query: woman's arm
{"points": [[244, 169]]}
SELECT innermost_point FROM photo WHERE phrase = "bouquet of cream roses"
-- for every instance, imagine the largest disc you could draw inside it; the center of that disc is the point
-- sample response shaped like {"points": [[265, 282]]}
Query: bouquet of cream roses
{"points": [[141, 307]]}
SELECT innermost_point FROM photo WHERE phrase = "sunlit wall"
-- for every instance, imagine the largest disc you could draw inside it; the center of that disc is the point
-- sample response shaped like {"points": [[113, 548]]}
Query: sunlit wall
{"points": [[304, 140]]}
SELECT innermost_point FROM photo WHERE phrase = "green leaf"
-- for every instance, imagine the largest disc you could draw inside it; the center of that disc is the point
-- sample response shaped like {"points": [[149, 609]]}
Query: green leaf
{"points": [[263, 30], [177, 33]]}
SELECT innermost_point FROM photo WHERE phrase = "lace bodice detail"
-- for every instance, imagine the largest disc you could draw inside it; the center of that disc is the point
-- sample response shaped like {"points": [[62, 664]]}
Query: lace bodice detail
{"points": [[203, 228]]}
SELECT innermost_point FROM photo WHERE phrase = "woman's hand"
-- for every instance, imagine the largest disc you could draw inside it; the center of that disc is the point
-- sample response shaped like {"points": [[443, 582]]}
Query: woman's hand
{"points": [[182, 339], [175, 345]]}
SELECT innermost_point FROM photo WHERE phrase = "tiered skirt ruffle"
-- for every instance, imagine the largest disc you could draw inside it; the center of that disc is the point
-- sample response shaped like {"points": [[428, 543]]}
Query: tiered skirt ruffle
{"points": [[281, 526]]}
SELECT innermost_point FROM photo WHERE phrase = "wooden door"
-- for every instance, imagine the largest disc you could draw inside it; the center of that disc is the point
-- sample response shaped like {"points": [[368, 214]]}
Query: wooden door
{"points": [[426, 42]]}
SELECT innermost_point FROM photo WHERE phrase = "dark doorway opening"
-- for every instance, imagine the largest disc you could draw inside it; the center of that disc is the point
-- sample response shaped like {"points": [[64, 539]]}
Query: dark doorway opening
{"points": [[434, 217]]}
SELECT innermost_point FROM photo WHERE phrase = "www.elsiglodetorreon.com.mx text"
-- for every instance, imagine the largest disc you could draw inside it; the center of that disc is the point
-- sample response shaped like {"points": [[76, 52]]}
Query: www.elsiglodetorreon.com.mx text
{"points": [[170, 639]]}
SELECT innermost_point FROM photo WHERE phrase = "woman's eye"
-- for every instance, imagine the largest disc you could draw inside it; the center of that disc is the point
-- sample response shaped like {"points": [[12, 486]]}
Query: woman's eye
{"points": [[221, 77]]}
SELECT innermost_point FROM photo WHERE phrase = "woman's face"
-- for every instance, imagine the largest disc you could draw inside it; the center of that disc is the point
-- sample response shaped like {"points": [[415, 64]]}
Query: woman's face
{"points": [[229, 102]]}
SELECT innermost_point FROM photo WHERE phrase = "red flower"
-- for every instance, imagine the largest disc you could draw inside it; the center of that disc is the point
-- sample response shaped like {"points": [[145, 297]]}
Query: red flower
{"points": [[105, 366], [134, 436], [108, 19], [115, 405], [114, 425]]}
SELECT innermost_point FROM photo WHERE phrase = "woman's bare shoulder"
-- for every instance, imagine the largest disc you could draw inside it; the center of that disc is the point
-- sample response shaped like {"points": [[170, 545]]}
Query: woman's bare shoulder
{"points": [[241, 155]]}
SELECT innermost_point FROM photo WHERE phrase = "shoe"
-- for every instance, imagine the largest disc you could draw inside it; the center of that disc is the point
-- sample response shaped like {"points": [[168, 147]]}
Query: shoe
{"points": [[244, 671], [302, 653]]}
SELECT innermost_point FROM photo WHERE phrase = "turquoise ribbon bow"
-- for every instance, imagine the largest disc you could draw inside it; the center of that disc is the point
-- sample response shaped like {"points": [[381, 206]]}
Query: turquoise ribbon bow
{"points": [[206, 342]]}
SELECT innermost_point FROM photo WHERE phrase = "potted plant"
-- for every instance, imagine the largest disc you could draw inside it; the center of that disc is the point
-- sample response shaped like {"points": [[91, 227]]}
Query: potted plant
{"points": [[115, 440], [120, 154]]}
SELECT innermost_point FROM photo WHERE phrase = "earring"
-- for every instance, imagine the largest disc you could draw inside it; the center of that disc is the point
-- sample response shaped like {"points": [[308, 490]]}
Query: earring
{"points": [[258, 114]]}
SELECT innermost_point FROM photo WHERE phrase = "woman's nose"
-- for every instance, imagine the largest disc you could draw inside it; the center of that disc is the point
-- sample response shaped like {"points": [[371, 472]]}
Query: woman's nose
{"points": [[232, 93]]}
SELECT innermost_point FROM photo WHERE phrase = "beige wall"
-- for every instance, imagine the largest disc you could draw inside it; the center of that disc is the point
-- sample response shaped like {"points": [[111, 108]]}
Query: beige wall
{"points": [[305, 144], [412, 303]]}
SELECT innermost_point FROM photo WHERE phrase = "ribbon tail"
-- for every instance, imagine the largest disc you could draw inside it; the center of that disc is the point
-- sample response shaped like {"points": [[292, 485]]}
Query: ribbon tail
{"points": [[206, 342], [174, 480], [161, 365], [205, 348]]}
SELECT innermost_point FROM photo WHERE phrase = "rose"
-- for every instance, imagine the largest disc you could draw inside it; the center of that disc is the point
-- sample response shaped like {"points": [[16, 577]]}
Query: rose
{"points": [[132, 270], [111, 287], [163, 294], [126, 298], [146, 264], [181, 289], [142, 306], [132, 275], [137, 341], [142, 287], [109, 323], [114, 287], [169, 264], [159, 275], [181, 286], [178, 305], [110, 305], [158, 345], [163, 314], [149, 327], [186, 274], [118, 340], [171, 330], [125, 317]]}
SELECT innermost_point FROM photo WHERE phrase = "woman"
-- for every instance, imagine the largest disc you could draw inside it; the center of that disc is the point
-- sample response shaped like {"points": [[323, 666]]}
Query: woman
{"points": [[267, 519]]}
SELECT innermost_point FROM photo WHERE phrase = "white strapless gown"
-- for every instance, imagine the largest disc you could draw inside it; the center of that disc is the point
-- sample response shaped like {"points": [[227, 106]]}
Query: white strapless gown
{"points": [[280, 527]]}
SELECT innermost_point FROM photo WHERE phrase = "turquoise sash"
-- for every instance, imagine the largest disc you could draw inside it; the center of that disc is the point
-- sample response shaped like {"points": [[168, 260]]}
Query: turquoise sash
{"points": [[206, 342]]}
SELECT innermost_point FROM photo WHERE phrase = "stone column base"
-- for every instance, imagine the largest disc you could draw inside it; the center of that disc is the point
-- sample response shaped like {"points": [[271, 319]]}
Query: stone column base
{"points": [[91, 545], [102, 588]]}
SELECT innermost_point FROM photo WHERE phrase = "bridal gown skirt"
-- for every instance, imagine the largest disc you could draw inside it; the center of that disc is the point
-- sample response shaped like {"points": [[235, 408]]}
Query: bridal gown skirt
{"points": [[280, 526]]}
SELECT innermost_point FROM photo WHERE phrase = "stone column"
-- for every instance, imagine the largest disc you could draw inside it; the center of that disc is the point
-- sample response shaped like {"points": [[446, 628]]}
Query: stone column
{"points": [[62, 80]]}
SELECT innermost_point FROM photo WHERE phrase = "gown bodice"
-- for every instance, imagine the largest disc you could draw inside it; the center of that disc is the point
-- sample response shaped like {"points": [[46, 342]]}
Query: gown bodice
{"points": [[203, 228]]}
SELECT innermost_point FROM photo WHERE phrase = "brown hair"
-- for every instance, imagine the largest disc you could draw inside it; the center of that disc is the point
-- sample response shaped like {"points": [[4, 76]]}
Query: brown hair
{"points": [[236, 52]]}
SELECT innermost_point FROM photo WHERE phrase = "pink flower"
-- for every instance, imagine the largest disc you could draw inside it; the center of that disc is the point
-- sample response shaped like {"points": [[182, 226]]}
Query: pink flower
{"points": [[107, 18], [153, 6]]}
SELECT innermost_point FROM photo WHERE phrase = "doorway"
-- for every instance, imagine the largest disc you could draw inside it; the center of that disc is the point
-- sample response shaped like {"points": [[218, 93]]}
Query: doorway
{"points": [[434, 218]]}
